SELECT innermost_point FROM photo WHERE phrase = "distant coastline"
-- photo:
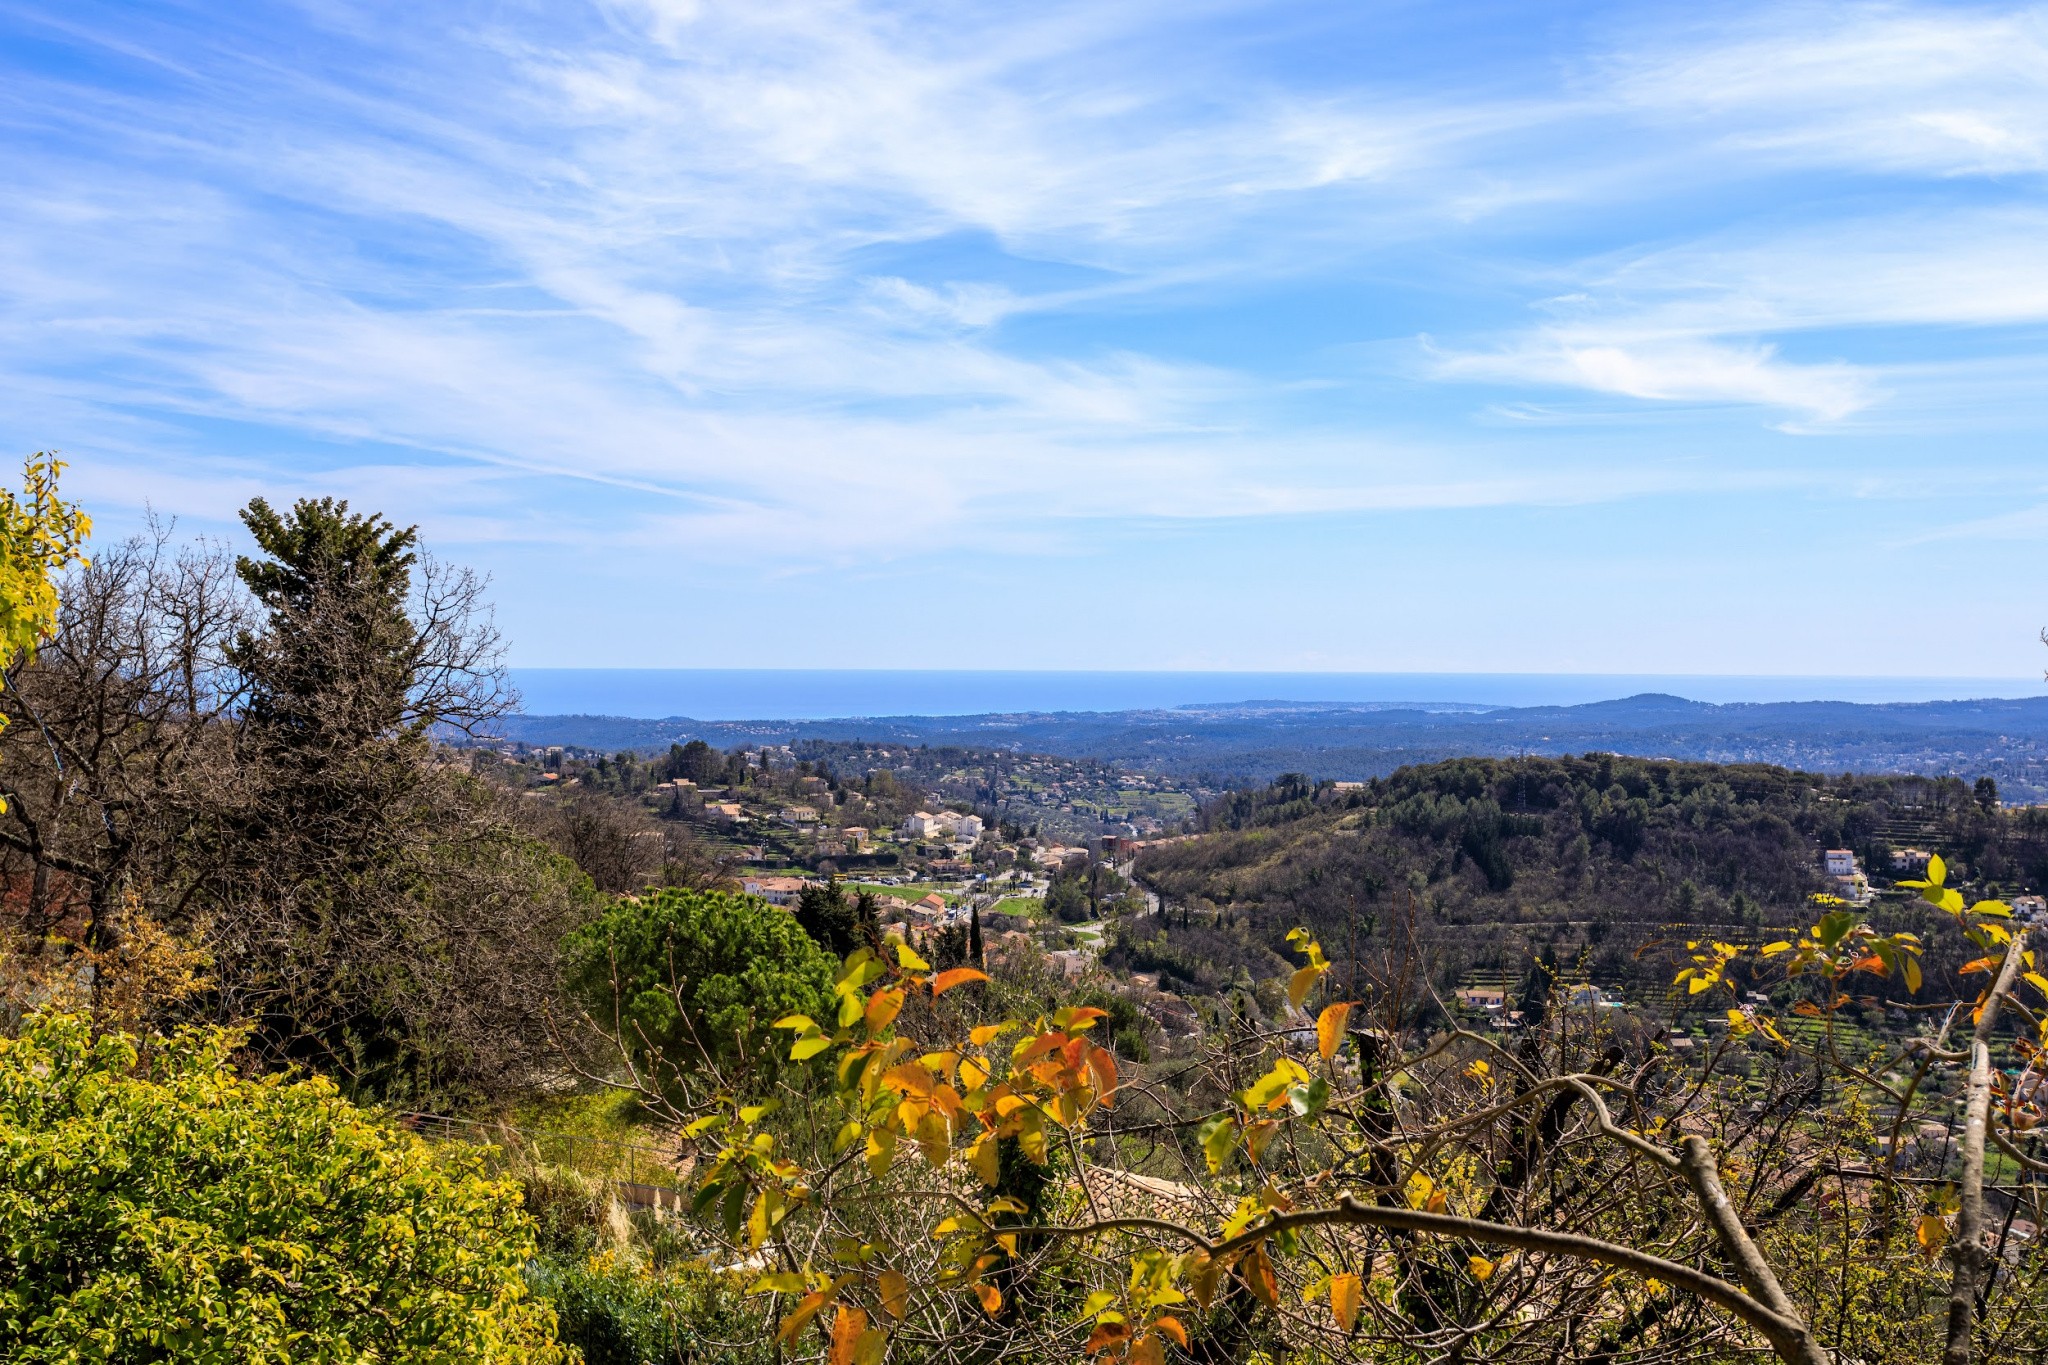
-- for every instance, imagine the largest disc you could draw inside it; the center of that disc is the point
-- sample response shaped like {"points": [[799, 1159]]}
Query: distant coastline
{"points": [[731, 694]]}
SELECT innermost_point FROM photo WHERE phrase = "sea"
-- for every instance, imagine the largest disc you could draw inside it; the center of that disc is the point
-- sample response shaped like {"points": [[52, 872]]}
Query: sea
{"points": [[825, 693]]}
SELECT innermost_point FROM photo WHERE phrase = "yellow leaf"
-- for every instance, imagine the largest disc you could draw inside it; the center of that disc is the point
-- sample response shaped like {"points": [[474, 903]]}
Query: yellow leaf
{"points": [[1481, 1268], [895, 1291], [957, 976], [1773, 949], [985, 1034], [1330, 1028], [1932, 1232], [881, 1151], [1419, 1190], [1270, 1090], [1346, 1293], [1698, 984], [1302, 983], [1219, 1137], [985, 1159]]}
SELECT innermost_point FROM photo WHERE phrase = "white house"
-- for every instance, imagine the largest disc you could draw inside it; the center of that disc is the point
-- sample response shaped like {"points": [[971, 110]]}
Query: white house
{"points": [[775, 890]]}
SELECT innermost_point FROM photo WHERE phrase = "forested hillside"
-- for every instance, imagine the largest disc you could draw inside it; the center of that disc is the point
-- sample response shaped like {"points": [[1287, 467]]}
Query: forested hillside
{"points": [[1484, 862]]}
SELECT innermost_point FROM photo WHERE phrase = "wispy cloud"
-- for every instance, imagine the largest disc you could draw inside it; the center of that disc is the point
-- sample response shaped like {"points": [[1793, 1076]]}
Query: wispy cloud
{"points": [[698, 277], [1886, 87]]}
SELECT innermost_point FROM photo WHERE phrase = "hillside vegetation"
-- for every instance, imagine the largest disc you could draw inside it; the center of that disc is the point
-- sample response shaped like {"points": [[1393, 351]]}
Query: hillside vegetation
{"points": [[1485, 862]]}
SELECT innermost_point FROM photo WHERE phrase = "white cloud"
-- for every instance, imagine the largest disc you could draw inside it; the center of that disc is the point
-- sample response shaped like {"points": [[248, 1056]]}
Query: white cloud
{"points": [[1668, 370], [1947, 91]]}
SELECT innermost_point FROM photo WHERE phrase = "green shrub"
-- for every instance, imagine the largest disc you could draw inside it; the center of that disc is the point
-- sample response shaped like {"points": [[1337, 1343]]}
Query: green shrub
{"points": [[182, 1213], [689, 974], [617, 1312]]}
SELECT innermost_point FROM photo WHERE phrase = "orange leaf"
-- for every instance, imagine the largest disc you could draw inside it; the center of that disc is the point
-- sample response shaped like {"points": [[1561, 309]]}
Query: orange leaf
{"points": [[883, 1007], [1203, 1273], [807, 1308], [1102, 1062], [1257, 1271], [846, 1330], [1171, 1327], [1106, 1334], [1982, 964], [1147, 1350], [895, 1294], [1330, 1028], [991, 1298], [957, 976], [1346, 1293], [1436, 1202]]}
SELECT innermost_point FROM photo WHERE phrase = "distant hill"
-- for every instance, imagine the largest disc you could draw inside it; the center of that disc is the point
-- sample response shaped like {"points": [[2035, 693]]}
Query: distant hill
{"points": [[1254, 741]]}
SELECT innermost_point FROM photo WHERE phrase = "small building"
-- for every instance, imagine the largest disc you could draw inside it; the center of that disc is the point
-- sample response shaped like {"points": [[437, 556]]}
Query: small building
{"points": [[967, 828], [857, 837], [920, 825], [801, 817], [1844, 878], [775, 890], [1911, 862], [1488, 998]]}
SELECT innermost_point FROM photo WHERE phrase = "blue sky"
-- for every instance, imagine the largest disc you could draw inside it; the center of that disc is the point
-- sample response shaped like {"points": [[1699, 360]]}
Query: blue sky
{"points": [[1493, 337]]}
